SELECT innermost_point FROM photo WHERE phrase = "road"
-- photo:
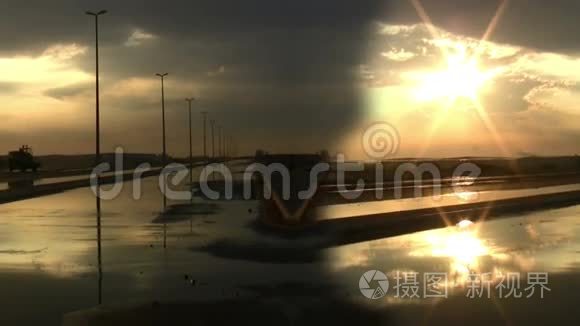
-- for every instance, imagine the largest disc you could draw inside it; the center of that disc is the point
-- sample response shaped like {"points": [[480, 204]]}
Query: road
{"points": [[48, 263]]}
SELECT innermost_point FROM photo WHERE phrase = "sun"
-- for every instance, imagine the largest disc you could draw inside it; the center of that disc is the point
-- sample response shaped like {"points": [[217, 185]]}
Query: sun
{"points": [[461, 77]]}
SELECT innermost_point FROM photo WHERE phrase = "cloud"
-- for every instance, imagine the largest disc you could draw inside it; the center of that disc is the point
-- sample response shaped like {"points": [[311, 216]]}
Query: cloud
{"points": [[534, 24], [52, 67], [66, 92], [138, 37], [219, 71], [63, 52], [388, 29], [277, 62], [398, 55], [285, 68], [527, 84]]}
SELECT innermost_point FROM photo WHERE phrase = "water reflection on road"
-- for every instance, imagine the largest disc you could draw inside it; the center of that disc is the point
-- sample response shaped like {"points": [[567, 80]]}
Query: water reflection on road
{"points": [[547, 241], [48, 253], [455, 198]]}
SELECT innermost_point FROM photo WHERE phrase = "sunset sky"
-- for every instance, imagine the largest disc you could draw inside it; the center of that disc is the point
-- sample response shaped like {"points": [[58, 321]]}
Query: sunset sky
{"points": [[295, 76]]}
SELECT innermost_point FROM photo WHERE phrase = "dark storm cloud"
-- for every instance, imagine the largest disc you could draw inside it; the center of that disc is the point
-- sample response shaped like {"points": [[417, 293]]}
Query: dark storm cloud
{"points": [[290, 67], [539, 24], [28, 25], [280, 32], [61, 93], [285, 40]]}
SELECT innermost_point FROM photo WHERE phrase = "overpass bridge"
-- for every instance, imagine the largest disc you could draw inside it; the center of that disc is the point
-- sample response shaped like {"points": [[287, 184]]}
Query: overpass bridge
{"points": [[284, 206]]}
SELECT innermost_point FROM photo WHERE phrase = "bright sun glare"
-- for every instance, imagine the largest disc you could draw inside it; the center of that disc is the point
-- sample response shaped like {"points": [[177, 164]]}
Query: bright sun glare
{"points": [[461, 78]]}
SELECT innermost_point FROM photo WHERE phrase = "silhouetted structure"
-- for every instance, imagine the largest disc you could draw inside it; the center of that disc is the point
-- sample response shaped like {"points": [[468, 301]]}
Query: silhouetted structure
{"points": [[204, 115], [189, 100], [22, 160], [162, 76], [212, 124], [98, 143]]}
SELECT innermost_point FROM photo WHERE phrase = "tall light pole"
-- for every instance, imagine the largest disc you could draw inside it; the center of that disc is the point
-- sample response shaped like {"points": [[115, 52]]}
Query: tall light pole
{"points": [[223, 137], [219, 141], [212, 124], [164, 157], [189, 100], [222, 142], [227, 146], [98, 147], [204, 115]]}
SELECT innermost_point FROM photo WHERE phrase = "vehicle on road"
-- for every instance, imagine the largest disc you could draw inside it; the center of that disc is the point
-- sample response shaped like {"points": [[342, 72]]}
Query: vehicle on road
{"points": [[22, 160]]}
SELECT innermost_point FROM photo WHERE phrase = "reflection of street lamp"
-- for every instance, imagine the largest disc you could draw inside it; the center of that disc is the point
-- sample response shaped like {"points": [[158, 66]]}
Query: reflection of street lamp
{"points": [[189, 100], [204, 115], [98, 146]]}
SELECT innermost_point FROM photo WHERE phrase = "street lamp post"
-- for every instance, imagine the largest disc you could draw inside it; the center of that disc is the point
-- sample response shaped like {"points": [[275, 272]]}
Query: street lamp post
{"points": [[223, 137], [212, 124], [164, 157], [204, 115], [219, 141], [189, 100], [98, 146], [226, 145]]}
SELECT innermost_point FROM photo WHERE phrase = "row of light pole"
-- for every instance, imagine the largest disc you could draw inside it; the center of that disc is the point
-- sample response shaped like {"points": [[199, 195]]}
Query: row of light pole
{"points": [[221, 137], [222, 147], [217, 135]]}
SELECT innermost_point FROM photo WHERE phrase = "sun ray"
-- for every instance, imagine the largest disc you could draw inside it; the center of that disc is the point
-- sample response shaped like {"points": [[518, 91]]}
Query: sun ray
{"points": [[495, 20], [433, 129], [444, 216], [462, 77], [422, 13], [425, 17], [491, 128]]}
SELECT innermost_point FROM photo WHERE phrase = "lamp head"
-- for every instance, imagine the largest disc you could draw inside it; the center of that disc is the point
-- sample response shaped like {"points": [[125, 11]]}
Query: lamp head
{"points": [[90, 13]]}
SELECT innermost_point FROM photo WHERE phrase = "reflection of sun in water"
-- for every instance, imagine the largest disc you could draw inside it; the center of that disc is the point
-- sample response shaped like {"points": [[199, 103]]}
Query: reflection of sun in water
{"points": [[461, 245], [462, 77]]}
